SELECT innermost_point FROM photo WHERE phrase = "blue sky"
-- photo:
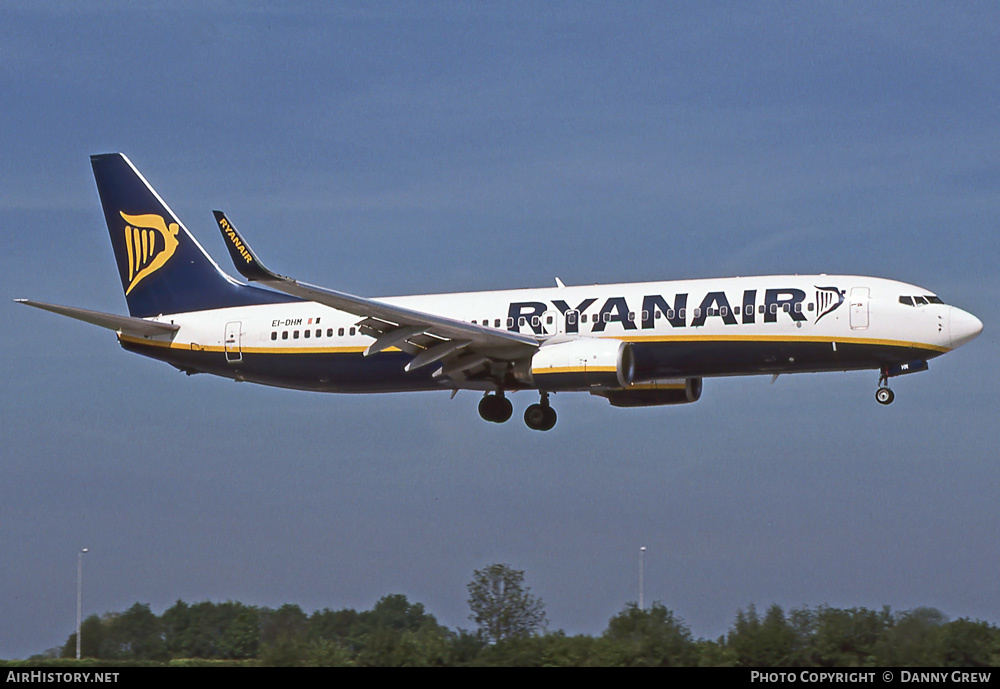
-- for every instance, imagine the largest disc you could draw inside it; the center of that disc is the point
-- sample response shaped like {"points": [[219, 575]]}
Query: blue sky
{"points": [[403, 148]]}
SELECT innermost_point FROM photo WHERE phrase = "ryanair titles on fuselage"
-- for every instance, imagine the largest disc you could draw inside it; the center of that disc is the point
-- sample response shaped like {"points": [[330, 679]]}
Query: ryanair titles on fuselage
{"points": [[679, 311]]}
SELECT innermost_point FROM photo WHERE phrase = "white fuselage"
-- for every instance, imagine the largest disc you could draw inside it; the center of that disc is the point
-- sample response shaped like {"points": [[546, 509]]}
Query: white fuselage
{"points": [[709, 327]]}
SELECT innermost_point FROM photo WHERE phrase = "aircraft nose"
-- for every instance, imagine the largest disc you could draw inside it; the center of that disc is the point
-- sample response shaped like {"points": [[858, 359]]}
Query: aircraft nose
{"points": [[964, 326]]}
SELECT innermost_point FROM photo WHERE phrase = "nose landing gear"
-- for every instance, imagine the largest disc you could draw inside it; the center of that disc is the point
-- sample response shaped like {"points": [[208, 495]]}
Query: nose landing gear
{"points": [[540, 417], [883, 395]]}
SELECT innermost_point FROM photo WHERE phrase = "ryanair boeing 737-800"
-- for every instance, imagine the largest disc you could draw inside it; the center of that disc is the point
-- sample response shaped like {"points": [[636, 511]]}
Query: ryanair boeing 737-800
{"points": [[638, 344]]}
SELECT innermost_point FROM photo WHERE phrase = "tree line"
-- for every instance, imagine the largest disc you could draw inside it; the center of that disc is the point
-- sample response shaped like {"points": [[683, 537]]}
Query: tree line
{"points": [[511, 631]]}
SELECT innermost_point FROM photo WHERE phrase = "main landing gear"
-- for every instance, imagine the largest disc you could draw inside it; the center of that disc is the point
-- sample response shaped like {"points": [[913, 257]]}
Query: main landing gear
{"points": [[884, 395], [540, 417], [496, 408]]}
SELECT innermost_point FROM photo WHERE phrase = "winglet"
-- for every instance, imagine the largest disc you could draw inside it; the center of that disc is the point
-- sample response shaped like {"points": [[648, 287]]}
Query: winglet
{"points": [[245, 260]]}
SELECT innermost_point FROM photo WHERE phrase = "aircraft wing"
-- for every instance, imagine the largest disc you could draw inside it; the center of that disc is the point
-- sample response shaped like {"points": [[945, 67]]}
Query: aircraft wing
{"points": [[460, 346], [127, 325]]}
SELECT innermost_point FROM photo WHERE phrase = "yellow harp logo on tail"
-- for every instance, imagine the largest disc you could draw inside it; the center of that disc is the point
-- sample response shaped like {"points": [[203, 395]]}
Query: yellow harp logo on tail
{"points": [[150, 243]]}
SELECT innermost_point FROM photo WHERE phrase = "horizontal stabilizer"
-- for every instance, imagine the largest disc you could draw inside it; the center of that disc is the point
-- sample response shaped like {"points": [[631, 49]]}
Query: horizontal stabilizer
{"points": [[126, 325]]}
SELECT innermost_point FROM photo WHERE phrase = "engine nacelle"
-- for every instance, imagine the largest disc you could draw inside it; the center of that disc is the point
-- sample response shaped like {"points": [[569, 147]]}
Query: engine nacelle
{"points": [[582, 363], [654, 393]]}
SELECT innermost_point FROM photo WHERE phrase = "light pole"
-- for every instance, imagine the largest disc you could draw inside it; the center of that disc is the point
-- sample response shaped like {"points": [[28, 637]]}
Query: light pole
{"points": [[79, 599], [642, 552]]}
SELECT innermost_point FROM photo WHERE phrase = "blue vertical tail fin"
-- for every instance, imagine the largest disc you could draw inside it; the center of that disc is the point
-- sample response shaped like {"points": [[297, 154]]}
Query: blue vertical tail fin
{"points": [[163, 269]]}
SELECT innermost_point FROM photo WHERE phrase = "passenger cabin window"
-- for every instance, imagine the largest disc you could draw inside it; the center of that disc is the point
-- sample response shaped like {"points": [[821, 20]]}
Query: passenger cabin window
{"points": [[284, 334], [274, 335], [307, 333], [353, 330], [295, 334], [340, 332]]}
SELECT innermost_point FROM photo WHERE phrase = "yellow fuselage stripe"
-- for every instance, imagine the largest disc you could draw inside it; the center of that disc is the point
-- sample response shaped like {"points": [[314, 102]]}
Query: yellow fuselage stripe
{"points": [[575, 369], [626, 338]]}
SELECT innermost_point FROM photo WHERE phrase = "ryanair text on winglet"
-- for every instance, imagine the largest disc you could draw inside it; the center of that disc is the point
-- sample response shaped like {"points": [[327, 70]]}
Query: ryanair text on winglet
{"points": [[224, 224]]}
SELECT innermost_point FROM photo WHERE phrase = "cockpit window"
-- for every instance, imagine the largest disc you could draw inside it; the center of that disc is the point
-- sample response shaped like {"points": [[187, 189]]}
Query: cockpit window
{"points": [[920, 300]]}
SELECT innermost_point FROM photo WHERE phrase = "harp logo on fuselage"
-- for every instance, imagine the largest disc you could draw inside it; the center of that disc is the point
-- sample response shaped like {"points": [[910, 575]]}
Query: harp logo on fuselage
{"points": [[827, 299], [149, 244]]}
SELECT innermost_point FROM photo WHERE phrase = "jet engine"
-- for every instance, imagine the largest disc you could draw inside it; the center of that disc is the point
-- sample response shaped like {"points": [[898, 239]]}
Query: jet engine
{"points": [[582, 363], [654, 393]]}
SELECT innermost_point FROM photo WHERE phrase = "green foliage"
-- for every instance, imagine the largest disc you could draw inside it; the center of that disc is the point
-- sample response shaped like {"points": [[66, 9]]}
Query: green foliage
{"points": [[137, 634], [211, 630], [502, 606], [649, 638], [93, 639], [969, 644], [396, 632], [913, 640], [400, 634], [847, 638], [549, 650], [323, 653]]}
